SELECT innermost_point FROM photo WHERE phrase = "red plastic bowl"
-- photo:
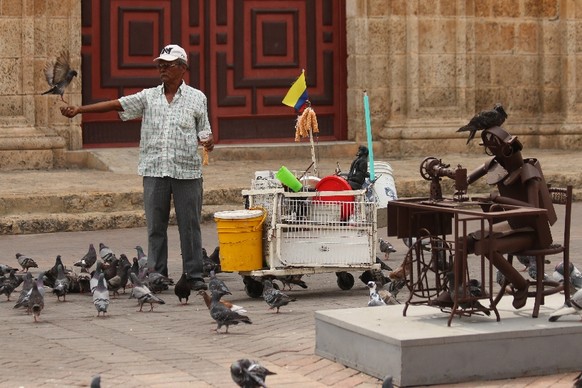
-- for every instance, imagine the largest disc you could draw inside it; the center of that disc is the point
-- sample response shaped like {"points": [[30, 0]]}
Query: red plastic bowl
{"points": [[336, 183]]}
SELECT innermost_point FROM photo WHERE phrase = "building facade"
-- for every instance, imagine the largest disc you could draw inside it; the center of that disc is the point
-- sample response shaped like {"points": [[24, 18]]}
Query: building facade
{"points": [[427, 66]]}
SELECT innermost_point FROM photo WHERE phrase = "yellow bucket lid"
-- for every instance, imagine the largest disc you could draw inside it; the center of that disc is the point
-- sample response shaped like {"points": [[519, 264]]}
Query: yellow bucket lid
{"points": [[239, 214]]}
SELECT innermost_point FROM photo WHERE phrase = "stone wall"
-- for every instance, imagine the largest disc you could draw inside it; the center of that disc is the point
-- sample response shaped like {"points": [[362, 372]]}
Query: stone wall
{"points": [[429, 65], [33, 134]]}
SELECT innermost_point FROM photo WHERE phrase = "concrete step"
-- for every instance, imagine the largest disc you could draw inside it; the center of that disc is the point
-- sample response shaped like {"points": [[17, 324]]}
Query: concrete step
{"points": [[33, 223]]}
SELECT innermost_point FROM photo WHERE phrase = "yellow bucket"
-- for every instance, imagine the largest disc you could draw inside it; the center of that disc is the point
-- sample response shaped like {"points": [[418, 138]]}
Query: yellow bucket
{"points": [[240, 238]]}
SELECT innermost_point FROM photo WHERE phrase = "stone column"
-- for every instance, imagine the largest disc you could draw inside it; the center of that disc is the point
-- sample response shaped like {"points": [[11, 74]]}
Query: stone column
{"points": [[33, 134]]}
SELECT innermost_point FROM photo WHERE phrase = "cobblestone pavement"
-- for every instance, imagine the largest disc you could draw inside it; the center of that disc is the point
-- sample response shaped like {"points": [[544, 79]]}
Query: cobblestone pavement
{"points": [[175, 344]]}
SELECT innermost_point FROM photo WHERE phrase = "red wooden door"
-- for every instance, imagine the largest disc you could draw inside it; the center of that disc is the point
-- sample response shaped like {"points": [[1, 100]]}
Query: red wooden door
{"points": [[244, 55]]}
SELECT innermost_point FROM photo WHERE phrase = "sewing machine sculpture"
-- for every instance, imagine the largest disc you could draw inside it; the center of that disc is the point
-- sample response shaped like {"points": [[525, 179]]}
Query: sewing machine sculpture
{"points": [[439, 224], [433, 169]]}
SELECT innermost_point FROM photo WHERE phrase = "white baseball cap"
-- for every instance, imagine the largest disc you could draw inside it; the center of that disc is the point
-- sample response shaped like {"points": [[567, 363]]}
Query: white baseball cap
{"points": [[172, 52]]}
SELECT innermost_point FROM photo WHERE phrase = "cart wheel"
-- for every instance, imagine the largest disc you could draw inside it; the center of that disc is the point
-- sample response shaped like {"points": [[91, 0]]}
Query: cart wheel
{"points": [[253, 288], [345, 280]]}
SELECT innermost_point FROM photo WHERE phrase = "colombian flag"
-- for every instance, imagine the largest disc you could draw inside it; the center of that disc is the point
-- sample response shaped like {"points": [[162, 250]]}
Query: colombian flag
{"points": [[297, 94]]}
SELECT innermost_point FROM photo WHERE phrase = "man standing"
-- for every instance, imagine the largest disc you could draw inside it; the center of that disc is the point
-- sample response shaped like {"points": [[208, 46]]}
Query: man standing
{"points": [[174, 121]]}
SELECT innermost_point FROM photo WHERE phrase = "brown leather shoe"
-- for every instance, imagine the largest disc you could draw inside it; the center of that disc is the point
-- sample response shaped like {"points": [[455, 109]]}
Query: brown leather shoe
{"points": [[519, 298]]}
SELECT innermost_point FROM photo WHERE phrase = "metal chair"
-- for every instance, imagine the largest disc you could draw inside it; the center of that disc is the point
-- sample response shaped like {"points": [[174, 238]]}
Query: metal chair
{"points": [[539, 287]]}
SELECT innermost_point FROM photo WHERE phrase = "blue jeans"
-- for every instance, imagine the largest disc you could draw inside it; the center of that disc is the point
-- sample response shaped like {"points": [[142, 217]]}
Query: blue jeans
{"points": [[187, 195]]}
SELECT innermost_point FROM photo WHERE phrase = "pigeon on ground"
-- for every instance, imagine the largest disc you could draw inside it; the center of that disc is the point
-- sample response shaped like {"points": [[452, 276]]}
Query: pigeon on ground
{"points": [[59, 74], [571, 307], [273, 297], [210, 263], [95, 277], [386, 295], [89, 259], [101, 296], [26, 262], [395, 286], [5, 269], [142, 258], [485, 120], [374, 275], [575, 275], [387, 383], [223, 315], [51, 275], [215, 284], [106, 253], [121, 277], [158, 282], [36, 300], [182, 288], [375, 299], [25, 292], [386, 248], [474, 289], [62, 284], [249, 374], [8, 284], [288, 280], [231, 306], [143, 294], [96, 382], [532, 269]]}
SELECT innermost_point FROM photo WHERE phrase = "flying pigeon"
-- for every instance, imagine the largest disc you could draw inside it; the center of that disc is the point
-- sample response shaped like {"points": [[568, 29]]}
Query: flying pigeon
{"points": [[89, 259], [288, 280], [229, 305], [571, 307], [59, 74], [484, 120], [223, 315], [143, 294], [101, 296], [36, 300], [274, 297], [26, 262], [578, 381], [62, 284], [246, 373], [182, 288]]}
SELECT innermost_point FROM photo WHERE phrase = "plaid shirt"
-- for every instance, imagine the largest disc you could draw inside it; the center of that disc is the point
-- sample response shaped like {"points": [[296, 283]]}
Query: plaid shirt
{"points": [[169, 131]]}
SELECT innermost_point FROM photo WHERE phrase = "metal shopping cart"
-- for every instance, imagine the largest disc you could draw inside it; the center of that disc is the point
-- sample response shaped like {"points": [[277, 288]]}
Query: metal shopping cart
{"points": [[313, 232]]}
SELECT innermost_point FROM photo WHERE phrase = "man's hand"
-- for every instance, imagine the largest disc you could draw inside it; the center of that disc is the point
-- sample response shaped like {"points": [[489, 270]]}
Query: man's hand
{"points": [[208, 144], [69, 111]]}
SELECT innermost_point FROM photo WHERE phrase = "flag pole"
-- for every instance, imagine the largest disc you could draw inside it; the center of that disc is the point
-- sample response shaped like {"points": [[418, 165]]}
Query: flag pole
{"points": [[369, 136]]}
